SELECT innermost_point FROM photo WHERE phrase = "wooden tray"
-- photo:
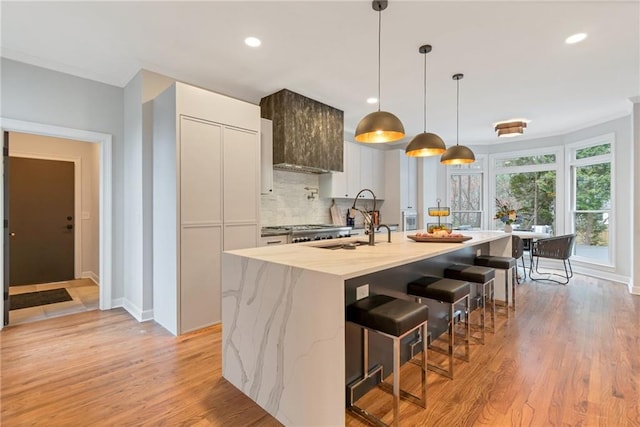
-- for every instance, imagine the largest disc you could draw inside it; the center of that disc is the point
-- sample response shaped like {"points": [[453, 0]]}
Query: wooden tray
{"points": [[439, 239]]}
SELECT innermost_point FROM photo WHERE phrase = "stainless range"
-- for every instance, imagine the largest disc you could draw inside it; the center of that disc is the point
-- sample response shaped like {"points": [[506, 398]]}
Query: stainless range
{"points": [[309, 232]]}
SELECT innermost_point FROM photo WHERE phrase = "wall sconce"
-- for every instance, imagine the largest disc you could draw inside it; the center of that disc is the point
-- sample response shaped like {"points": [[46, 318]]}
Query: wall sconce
{"points": [[510, 129]]}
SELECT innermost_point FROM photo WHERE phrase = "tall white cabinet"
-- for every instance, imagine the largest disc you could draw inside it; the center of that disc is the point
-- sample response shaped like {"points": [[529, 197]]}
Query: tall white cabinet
{"points": [[401, 186], [206, 194]]}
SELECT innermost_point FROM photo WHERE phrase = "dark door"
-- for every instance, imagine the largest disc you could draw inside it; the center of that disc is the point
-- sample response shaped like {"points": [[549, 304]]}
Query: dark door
{"points": [[41, 206]]}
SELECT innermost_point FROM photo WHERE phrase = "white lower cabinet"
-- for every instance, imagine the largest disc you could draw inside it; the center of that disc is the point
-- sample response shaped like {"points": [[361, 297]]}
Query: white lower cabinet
{"points": [[200, 279], [240, 236], [206, 195]]}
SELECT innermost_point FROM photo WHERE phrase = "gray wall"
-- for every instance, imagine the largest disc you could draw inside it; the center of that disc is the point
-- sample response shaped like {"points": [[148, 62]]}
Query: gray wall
{"points": [[39, 95], [623, 174]]}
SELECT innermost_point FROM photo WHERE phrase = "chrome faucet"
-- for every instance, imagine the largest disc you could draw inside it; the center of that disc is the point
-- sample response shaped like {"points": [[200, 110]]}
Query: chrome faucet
{"points": [[368, 219], [388, 231]]}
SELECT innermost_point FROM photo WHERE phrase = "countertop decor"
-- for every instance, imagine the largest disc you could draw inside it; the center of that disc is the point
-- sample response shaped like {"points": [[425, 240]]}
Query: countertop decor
{"points": [[505, 212]]}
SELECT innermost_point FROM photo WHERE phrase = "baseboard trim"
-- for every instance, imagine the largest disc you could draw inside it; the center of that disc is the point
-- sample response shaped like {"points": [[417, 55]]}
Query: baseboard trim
{"points": [[136, 312], [146, 315], [578, 267], [91, 275]]}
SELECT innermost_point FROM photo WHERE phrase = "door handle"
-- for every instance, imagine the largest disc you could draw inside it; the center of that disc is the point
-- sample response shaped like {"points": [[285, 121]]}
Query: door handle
{"points": [[69, 227], [12, 234]]}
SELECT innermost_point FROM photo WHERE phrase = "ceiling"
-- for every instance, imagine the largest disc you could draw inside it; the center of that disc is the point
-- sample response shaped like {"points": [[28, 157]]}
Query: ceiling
{"points": [[512, 53]]}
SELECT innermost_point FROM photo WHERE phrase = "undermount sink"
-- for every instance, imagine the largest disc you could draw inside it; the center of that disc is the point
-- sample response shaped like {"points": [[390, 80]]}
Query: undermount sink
{"points": [[349, 245]]}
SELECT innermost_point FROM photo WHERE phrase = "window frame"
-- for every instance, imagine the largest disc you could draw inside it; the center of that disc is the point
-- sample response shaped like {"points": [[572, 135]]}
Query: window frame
{"points": [[570, 189], [481, 160], [494, 170]]}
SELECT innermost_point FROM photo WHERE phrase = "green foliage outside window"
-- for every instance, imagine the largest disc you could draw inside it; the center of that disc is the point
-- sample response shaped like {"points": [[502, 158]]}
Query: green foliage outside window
{"points": [[593, 193]]}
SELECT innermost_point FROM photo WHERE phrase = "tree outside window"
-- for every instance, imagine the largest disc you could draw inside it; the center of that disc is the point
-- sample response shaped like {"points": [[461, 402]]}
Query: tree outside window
{"points": [[592, 201], [531, 193]]}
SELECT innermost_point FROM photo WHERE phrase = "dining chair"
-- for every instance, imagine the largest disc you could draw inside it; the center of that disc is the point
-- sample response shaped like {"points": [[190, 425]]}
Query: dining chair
{"points": [[560, 248]]}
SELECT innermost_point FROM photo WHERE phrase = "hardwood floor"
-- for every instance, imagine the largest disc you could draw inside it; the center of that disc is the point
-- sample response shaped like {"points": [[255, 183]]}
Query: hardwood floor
{"points": [[570, 356]]}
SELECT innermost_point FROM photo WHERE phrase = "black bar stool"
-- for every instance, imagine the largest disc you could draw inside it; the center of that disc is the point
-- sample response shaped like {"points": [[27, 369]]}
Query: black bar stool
{"points": [[393, 318], [450, 292], [481, 277], [508, 264]]}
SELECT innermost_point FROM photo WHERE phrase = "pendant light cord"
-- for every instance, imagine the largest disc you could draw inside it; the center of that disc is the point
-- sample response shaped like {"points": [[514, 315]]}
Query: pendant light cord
{"points": [[379, 56], [457, 110], [425, 93]]}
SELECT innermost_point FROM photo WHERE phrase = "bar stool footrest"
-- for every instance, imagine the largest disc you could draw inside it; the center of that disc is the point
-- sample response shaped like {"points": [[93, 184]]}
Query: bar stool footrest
{"points": [[356, 383], [403, 394]]}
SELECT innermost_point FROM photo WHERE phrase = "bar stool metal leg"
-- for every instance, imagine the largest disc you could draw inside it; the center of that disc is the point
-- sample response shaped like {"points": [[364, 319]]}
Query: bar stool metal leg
{"points": [[394, 389]]}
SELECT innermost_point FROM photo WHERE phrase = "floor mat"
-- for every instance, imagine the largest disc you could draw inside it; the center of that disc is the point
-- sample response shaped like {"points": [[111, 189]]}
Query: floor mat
{"points": [[34, 299]]}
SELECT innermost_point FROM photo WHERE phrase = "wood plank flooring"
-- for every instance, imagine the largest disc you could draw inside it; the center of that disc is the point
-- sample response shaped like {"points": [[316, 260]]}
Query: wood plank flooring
{"points": [[570, 356]]}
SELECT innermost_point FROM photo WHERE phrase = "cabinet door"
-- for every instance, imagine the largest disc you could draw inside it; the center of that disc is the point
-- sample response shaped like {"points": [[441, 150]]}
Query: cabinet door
{"points": [[352, 166], [334, 184], [404, 181], [200, 287], [412, 183], [378, 167], [241, 180], [366, 169], [266, 157], [240, 236], [200, 172]]}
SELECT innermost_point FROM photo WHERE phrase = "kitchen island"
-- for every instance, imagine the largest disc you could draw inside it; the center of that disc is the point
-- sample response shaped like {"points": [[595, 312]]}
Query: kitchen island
{"points": [[285, 342]]}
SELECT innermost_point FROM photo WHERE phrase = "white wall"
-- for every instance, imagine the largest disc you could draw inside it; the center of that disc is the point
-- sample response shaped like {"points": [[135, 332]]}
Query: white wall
{"points": [[38, 95], [138, 191], [47, 147]]}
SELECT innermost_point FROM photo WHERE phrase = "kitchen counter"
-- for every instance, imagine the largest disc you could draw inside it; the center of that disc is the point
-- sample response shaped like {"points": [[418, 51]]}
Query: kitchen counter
{"points": [[364, 259], [283, 309]]}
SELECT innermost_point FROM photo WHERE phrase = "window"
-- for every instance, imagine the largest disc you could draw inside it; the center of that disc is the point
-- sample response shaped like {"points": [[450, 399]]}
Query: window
{"points": [[528, 184], [466, 194], [591, 198]]}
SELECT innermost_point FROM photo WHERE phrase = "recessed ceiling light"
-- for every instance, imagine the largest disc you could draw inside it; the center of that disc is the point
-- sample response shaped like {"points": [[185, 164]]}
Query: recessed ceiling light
{"points": [[576, 38], [372, 100], [252, 41]]}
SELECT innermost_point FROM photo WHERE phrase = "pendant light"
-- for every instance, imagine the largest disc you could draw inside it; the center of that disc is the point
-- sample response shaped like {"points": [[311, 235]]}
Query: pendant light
{"points": [[379, 126], [426, 143], [457, 154]]}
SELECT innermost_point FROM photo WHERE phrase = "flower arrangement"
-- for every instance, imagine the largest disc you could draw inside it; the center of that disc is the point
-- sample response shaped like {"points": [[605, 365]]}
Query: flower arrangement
{"points": [[504, 212]]}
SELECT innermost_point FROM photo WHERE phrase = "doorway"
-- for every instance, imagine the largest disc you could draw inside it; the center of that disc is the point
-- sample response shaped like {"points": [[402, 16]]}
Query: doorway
{"points": [[41, 221], [104, 141]]}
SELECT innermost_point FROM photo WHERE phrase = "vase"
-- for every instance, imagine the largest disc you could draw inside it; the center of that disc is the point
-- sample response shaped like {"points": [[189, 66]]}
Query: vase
{"points": [[508, 228]]}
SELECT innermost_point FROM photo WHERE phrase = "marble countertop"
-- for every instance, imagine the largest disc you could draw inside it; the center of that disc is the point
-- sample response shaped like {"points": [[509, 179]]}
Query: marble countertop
{"points": [[364, 259]]}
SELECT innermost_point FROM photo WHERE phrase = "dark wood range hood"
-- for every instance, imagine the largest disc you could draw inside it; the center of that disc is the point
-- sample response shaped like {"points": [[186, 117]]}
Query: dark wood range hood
{"points": [[308, 136]]}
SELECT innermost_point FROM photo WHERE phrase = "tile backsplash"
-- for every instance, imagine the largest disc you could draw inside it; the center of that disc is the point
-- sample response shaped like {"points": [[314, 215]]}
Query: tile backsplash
{"points": [[290, 203]]}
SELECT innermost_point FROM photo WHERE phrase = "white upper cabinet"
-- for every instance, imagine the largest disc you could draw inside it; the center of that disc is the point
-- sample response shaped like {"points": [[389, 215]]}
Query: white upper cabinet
{"points": [[401, 183], [408, 182], [364, 167], [379, 173], [241, 176], [352, 169], [200, 172]]}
